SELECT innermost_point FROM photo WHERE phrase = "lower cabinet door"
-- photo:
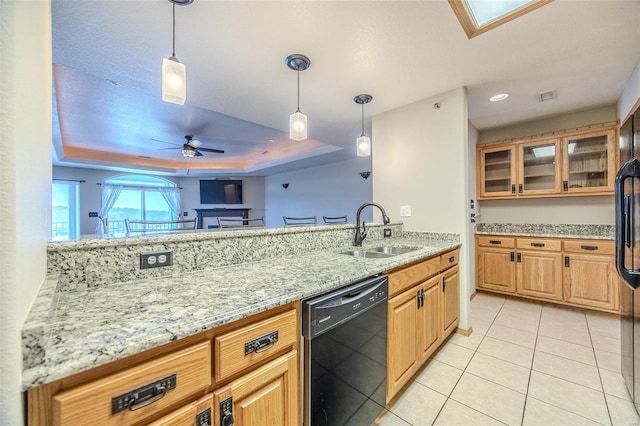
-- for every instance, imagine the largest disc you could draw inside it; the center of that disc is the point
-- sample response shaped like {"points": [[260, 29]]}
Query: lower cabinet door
{"points": [[402, 339], [430, 328], [496, 269], [450, 299], [266, 396], [197, 413], [539, 274], [591, 281]]}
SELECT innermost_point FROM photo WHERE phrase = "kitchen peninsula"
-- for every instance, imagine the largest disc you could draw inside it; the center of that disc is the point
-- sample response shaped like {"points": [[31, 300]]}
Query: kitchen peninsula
{"points": [[101, 321]]}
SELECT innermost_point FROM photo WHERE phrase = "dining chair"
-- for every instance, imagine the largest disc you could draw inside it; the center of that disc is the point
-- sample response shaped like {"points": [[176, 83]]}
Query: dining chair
{"points": [[160, 225], [299, 221], [335, 219], [240, 222]]}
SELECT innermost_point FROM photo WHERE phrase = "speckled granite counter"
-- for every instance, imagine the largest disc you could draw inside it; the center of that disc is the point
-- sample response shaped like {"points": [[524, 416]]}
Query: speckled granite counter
{"points": [[72, 331], [592, 232]]}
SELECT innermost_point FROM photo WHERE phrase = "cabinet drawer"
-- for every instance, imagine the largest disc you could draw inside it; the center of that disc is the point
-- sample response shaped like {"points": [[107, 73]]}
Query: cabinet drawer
{"points": [[249, 345], [449, 259], [92, 403], [504, 242], [539, 244], [197, 413], [590, 247], [411, 275]]}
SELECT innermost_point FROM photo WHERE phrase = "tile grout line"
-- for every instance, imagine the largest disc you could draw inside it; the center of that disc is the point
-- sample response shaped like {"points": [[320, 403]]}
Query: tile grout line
{"points": [[526, 396], [606, 403], [465, 369]]}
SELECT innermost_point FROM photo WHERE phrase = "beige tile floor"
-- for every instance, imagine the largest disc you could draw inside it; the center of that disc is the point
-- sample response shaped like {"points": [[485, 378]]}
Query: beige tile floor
{"points": [[526, 363]]}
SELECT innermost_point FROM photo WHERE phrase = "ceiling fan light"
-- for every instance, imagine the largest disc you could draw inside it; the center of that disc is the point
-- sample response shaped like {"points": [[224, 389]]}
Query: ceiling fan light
{"points": [[297, 126], [188, 152], [174, 81], [363, 146]]}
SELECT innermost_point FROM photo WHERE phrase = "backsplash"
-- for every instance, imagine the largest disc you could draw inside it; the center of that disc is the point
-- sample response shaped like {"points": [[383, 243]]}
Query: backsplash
{"points": [[585, 231], [96, 262]]}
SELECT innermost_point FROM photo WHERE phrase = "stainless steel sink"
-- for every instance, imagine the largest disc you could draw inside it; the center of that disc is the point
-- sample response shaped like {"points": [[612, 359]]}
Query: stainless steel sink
{"points": [[365, 253], [391, 250]]}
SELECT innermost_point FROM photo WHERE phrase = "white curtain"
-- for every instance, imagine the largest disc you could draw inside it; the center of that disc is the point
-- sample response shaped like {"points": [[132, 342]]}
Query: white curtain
{"points": [[110, 194], [172, 197]]}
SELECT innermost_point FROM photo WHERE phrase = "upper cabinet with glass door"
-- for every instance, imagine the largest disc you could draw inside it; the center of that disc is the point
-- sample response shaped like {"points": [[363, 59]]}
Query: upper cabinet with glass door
{"points": [[580, 163], [589, 162]]}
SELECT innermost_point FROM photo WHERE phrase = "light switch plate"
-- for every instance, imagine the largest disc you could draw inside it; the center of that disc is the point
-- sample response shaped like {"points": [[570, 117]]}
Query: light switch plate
{"points": [[405, 211]]}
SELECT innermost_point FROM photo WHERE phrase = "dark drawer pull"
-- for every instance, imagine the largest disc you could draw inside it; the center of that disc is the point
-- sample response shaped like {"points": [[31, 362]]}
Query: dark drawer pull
{"points": [[537, 244], [590, 248], [143, 396], [452, 259], [495, 242], [261, 344]]}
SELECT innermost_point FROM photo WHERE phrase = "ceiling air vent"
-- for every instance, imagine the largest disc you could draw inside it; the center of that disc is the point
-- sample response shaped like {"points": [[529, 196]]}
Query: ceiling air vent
{"points": [[547, 96]]}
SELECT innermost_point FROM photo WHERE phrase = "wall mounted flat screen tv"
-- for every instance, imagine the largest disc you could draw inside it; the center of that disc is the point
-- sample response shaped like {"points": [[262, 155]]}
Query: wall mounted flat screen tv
{"points": [[220, 191]]}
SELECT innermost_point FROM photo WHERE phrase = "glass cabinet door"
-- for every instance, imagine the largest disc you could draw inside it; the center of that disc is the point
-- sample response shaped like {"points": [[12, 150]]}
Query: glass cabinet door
{"points": [[539, 167], [589, 163], [497, 171]]}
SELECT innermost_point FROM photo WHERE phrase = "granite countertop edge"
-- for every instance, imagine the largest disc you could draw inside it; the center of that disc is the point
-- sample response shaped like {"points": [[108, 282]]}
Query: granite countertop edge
{"points": [[548, 235], [77, 331]]}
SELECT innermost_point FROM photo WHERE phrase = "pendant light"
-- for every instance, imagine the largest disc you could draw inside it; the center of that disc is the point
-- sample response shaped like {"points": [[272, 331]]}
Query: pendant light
{"points": [[297, 120], [363, 143], [174, 73]]}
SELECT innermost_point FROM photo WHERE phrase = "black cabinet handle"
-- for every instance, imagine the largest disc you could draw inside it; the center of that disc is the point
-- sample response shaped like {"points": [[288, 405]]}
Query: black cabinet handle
{"points": [[144, 395], [565, 185], [422, 297], [537, 244], [513, 255], [513, 188], [418, 298], [520, 188], [497, 242], [519, 257], [566, 261], [452, 259], [444, 283], [590, 248]]}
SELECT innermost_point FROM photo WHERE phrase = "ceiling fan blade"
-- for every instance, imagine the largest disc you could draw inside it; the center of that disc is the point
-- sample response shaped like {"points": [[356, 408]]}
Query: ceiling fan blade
{"points": [[198, 154], [162, 149], [217, 151], [170, 143], [194, 143]]}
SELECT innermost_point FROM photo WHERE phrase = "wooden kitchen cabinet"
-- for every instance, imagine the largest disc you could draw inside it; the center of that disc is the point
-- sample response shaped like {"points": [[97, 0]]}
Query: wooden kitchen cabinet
{"points": [[265, 396], [539, 274], [571, 272], [496, 268], [568, 162], [589, 162], [590, 277], [450, 299]]}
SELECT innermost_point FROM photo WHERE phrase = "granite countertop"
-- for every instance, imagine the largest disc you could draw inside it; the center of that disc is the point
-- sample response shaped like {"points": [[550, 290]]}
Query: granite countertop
{"points": [[591, 232], [93, 326]]}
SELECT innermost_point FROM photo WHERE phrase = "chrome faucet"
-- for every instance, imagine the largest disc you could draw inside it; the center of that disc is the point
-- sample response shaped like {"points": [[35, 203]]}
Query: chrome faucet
{"points": [[361, 235]]}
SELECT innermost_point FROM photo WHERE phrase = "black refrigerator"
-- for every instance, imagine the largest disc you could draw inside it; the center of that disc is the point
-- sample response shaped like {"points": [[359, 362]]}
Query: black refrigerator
{"points": [[627, 199]]}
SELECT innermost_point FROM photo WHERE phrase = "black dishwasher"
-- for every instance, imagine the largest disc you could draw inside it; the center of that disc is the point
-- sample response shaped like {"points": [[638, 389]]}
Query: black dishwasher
{"points": [[345, 354]]}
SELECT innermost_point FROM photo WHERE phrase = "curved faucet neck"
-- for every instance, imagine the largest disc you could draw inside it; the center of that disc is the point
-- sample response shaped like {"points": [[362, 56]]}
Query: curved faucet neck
{"points": [[361, 234]]}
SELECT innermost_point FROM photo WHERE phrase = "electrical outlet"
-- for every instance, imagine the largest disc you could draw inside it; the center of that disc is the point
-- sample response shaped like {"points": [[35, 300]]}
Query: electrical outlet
{"points": [[387, 232], [185, 214], [155, 259], [405, 211]]}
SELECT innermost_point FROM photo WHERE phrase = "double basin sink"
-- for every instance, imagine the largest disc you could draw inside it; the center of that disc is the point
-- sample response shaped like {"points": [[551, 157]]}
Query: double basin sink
{"points": [[380, 252]]}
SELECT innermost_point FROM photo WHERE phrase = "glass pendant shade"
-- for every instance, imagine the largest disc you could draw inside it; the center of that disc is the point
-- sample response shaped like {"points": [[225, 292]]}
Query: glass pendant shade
{"points": [[174, 81], [363, 146], [297, 126], [188, 152]]}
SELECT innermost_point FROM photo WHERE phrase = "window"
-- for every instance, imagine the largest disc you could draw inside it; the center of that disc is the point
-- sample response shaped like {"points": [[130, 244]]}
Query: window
{"points": [[64, 210], [138, 197], [479, 16]]}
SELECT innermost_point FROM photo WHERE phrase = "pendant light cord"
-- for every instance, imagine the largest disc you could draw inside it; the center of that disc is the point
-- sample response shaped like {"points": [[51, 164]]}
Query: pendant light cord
{"points": [[362, 119], [298, 88], [173, 53]]}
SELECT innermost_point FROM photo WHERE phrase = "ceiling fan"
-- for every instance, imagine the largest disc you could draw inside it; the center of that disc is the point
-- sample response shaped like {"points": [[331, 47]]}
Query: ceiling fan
{"points": [[193, 147]]}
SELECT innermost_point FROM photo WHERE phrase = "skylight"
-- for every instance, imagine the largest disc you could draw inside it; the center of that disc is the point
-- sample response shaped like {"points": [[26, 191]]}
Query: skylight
{"points": [[479, 16], [487, 10]]}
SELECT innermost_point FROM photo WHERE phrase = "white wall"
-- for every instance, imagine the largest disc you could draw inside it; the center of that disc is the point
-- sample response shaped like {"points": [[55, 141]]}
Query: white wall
{"points": [[421, 159], [252, 196], [471, 177], [630, 96], [333, 189], [574, 210], [25, 198]]}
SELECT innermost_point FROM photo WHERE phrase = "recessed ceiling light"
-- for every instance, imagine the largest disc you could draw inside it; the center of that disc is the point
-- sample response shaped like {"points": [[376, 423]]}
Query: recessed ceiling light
{"points": [[499, 97]]}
